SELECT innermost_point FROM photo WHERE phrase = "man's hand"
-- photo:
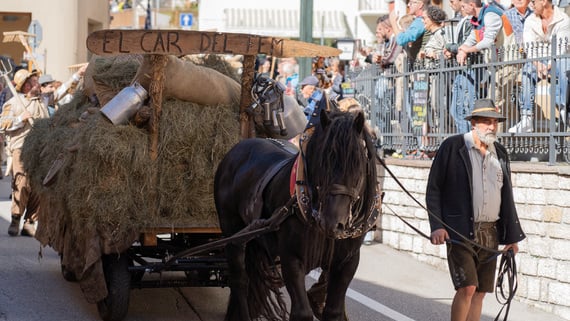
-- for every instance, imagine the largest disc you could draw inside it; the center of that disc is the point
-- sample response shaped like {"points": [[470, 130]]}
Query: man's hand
{"points": [[542, 70], [439, 236], [81, 71], [365, 51], [376, 58], [461, 57], [393, 17], [462, 52], [25, 115], [514, 246]]}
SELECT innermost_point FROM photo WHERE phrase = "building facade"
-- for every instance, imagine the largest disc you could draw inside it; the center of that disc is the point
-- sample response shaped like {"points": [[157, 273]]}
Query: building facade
{"points": [[332, 19], [62, 26]]}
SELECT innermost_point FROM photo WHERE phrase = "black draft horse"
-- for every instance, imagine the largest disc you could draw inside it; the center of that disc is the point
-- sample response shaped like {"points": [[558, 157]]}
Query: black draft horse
{"points": [[341, 184]]}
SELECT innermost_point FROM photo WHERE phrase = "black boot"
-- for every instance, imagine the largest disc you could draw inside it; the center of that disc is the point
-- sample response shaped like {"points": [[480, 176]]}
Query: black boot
{"points": [[14, 228]]}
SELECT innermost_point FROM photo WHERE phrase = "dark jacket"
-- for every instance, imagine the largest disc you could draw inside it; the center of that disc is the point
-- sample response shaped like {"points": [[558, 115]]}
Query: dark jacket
{"points": [[449, 193]]}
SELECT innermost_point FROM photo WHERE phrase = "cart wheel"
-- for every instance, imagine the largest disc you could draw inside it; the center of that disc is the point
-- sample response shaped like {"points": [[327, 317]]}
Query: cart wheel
{"points": [[115, 306], [67, 274]]}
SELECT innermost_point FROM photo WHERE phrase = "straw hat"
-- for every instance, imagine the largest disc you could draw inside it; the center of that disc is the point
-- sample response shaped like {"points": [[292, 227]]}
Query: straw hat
{"points": [[21, 76]]}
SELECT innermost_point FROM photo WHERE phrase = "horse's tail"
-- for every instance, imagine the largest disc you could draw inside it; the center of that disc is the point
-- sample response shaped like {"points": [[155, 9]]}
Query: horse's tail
{"points": [[264, 295]]}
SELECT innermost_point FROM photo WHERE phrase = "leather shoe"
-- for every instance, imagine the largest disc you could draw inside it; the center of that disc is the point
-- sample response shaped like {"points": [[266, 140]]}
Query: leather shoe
{"points": [[29, 229]]}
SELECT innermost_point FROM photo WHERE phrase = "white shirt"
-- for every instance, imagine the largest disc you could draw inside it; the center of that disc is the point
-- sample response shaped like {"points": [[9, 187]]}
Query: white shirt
{"points": [[487, 176], [537, 41]]}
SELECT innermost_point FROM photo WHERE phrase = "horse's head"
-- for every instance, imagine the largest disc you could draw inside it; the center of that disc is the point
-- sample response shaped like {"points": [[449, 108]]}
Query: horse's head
{"points": [[275, 114], [341, 174]]}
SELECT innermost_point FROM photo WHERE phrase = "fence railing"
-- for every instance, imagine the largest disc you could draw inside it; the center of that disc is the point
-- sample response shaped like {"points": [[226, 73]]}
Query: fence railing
{"points": [[414, 107]]}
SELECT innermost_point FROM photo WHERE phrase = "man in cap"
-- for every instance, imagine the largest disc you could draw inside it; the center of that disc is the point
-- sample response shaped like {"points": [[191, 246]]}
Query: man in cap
{"points": [[470, 204], [48, 92], [312, 93], [16, 121], [55, 95]]}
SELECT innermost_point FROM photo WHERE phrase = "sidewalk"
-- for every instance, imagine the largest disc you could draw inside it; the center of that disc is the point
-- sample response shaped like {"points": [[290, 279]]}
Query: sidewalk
{"points": [[384, 266]]}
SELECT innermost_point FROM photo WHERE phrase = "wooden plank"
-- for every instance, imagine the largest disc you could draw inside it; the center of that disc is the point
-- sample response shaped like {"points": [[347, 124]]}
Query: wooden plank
{"points": [[15, 36], [148, 236], [182, 42], [149, 239]]}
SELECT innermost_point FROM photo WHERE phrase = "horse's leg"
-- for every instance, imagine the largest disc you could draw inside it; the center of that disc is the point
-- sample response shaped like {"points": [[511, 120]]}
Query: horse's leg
{"points": [[293, 271], [318, 294], [292, 243], [238, 309], [341, 272]]}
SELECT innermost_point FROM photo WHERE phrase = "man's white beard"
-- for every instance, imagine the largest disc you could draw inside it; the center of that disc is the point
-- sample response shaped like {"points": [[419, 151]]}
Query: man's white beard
{"points": [[487, 139]]}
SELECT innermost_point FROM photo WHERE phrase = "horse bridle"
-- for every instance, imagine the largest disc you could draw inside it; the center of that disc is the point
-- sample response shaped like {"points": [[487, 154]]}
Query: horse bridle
{"points": [[303, 191]]}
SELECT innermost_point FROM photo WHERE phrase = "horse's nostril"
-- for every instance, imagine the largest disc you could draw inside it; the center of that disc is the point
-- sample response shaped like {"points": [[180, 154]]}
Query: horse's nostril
{"points": [[340, 227]]}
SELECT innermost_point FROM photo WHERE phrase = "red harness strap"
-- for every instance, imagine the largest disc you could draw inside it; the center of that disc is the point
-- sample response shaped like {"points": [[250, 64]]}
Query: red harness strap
{"points": [[293, 178]]}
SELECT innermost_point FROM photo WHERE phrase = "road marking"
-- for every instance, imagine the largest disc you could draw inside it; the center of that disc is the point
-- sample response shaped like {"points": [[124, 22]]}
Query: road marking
{"points": [[368, 302]]}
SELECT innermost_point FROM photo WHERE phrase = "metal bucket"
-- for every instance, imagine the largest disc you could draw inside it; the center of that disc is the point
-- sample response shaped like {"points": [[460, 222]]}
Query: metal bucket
{"points": [[295, 119], [125, 104]]}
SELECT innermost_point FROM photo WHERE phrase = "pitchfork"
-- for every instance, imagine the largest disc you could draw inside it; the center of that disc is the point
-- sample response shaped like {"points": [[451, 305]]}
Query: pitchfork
{"points": [[4, 71]]}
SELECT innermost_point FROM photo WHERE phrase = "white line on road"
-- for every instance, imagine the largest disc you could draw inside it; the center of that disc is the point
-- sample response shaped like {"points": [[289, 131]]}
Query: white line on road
{"points": [[368, 302]]}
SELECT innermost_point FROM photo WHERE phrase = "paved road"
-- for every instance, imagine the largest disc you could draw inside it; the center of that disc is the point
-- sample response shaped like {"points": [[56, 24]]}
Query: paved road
{"points": [[389, 285]]}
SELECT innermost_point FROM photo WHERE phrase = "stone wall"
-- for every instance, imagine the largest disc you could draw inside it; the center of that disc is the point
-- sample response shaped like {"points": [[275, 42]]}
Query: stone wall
{"points": [[542, 196]]}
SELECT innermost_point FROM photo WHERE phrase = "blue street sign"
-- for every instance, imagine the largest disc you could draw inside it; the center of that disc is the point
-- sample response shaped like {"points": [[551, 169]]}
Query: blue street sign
{"points": [[186, 19]]}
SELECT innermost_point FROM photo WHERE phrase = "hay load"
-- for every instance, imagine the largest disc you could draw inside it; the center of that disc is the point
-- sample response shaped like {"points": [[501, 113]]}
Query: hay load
{"points": [[98, 185]]}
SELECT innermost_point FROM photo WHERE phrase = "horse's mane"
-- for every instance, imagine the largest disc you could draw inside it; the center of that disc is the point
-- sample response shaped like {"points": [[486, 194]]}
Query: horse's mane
{"points": [[339, 149]]}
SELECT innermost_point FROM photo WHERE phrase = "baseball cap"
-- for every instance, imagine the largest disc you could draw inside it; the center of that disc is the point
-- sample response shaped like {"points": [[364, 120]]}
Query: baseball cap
{"points": [[309, 80], [45, 79]]}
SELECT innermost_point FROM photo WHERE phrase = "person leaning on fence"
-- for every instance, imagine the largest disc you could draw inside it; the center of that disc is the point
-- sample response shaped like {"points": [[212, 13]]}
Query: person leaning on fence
{"points": [[16, 122], [411, 38], [469, 189], [461, 30], [488, 29], [491, 30], [465, 88], [547, 21], [434, 18], [517, 15]]}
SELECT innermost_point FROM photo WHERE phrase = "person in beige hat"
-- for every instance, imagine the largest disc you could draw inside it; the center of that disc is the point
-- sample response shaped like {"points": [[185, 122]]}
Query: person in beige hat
{"points": [[16, 121], [470, 204]]}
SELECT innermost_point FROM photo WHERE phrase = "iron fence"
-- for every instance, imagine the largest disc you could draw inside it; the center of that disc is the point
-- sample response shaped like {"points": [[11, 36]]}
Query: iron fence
{"points": [[413, 107]]}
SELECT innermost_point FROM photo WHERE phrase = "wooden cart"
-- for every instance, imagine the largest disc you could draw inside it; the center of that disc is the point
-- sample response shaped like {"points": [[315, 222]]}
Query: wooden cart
{"points": [[196, 251]]}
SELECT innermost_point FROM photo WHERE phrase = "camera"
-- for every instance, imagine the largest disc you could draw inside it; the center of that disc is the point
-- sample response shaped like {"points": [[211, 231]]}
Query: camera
{"points": [[452, 47]]}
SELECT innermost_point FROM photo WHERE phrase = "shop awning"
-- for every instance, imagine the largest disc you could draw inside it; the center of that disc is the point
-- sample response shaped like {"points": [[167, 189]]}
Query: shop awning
{"points": [[284, 23]]}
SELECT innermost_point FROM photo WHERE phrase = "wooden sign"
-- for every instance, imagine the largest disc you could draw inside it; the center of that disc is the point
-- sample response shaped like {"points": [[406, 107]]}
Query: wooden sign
{"points": [[183, 42]]}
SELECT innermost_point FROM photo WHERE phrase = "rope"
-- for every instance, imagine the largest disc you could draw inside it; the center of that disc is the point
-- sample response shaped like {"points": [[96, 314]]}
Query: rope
{"points": [[508, 269], [507, 266]]}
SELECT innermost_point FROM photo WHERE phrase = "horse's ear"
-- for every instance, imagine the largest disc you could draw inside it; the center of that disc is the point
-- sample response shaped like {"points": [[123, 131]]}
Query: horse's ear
{"points": [[359, 122], [325, 120]]}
